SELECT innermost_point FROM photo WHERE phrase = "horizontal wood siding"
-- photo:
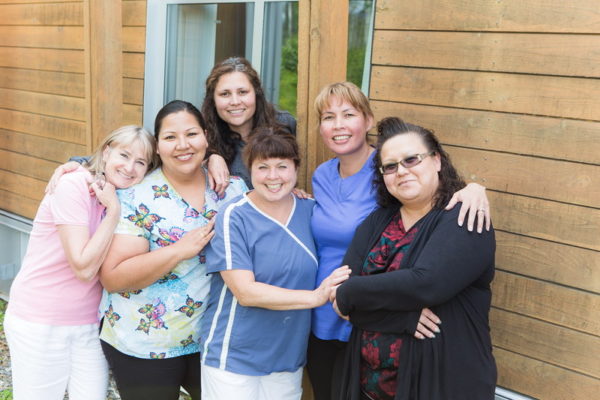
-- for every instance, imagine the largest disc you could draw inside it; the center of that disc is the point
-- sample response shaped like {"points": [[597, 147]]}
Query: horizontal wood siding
{"points": [[512, 89], [45, 104], [134, 45]]}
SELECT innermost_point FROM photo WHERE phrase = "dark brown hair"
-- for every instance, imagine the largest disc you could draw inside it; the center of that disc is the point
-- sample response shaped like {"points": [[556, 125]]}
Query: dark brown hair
{"points": [[174, 107], [449, 179], [271, 142], [221, 139]]}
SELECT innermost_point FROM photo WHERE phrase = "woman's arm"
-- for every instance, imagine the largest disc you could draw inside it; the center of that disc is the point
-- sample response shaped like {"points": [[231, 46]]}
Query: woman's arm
{"points": [[84, 253], [475, 203], [250, 293], [218, 173], [62, 169], [451, 260], [130, 265]]}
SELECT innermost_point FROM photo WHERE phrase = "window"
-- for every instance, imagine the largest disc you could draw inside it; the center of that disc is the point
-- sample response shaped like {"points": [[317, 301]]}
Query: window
{"points": [[186, 38], [360, 36]]}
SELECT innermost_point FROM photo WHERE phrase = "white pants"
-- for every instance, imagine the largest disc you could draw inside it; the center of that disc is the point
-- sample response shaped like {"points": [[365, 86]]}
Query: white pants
{"points": [[46, 360], [218, 384]]}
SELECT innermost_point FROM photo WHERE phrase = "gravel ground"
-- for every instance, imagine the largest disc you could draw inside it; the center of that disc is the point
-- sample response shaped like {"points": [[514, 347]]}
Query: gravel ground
{"points": [[5, 379]]}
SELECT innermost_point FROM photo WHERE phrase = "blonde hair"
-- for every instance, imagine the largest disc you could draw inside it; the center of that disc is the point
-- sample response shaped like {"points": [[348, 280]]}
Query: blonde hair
{"points": [[124, 136], [343, 91]]}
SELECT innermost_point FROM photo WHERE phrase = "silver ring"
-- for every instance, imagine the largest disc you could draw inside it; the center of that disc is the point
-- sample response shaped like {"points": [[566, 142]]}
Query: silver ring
{"points": [[481, 210]]}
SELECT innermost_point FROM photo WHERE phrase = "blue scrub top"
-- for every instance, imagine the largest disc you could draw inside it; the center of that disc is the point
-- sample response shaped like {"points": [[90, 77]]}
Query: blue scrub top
{"points": [[251, 340], [342, 204]]}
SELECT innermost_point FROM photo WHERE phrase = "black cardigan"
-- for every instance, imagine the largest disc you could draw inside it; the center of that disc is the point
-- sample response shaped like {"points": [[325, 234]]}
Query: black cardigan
{"points": [[447, 269]]}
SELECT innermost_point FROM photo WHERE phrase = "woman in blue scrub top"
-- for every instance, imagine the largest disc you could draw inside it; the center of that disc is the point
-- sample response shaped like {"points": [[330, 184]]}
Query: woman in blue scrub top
{"points": [[343, 190], [264, 264]]}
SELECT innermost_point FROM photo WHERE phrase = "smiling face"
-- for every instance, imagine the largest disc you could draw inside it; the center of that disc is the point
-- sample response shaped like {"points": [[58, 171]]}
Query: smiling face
{"points": [[273, 179], [181, 144], [235, 101], [344, 128], [125, 165], [411, 186]]}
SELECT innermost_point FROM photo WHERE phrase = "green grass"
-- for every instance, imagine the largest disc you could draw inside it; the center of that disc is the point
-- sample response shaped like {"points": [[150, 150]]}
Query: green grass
{"points": [[6, 394], [3, 305]]}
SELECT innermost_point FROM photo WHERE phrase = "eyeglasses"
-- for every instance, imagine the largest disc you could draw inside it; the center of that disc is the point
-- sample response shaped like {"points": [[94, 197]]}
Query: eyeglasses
{"points": [[408, 162]]}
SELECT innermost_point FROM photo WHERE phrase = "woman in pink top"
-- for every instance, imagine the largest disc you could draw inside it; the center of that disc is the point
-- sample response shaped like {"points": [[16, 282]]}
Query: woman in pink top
{"points": [[52, 318]]}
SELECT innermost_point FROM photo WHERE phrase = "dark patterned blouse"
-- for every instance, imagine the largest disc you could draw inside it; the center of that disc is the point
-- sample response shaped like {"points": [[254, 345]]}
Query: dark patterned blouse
{"points": [[380, 352]]}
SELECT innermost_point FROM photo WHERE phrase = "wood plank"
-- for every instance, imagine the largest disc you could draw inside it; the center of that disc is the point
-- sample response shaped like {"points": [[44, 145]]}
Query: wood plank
{"points": [[44, 104], [39, 147], [134, 13], [327, 38], [26, 165], [302, 99], [106, 68], [569, 182], [134, 39], [17, 204], [133, 65], [42, 59], [55, 37], [42, 14], [563, 223], [523, 134], [568, 55], [132, 115], [532, 377], [60, 83], [25, 186], [554, 262], [34, 1], [524, 94], [577, 16], [570, 308], [546, 342], [133, 91], [39, 125]]}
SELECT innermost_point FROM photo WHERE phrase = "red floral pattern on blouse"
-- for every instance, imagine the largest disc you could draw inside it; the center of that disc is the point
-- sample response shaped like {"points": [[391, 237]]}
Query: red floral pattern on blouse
{"points": [[380, 352]]}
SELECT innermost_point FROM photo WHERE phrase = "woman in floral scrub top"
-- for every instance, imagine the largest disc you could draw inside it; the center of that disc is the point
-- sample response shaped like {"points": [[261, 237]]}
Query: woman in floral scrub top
{"points": [[155, 273]]}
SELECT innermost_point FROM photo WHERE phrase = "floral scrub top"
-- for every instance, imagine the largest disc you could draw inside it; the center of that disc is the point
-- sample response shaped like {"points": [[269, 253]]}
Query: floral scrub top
{"points": [[162, 320]]}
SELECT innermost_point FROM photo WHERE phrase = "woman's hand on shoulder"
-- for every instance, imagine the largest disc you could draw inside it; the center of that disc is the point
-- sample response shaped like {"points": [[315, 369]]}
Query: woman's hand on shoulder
{"points": [[427, 326], [65, 168], [195, 240], [475, 203], [301, 194], [218, 174]]}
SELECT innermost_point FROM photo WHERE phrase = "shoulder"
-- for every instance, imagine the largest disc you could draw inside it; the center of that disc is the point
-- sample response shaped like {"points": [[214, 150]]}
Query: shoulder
{"points": [[153, 182], [287, 119], [234, 207], [305, 204], [326, 168], [79, 177], [378, 218]]}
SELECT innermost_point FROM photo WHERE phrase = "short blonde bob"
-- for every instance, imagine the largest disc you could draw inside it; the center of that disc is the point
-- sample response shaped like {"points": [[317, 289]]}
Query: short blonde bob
{"points": [[124, 136], [343, 91]]}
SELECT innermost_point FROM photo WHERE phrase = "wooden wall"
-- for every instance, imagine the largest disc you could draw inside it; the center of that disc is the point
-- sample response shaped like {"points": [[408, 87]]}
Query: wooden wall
{"points": [[60, 70], [512, 89]]}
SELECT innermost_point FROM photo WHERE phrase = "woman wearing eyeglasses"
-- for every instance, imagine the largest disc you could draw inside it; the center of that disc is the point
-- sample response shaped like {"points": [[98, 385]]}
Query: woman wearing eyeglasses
{"points": [[407, 255], [344, 196]]}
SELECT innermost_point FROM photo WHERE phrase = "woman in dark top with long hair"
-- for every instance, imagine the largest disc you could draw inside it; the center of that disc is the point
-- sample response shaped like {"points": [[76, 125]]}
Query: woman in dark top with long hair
{"points": [[407, 255], [233, 106]]}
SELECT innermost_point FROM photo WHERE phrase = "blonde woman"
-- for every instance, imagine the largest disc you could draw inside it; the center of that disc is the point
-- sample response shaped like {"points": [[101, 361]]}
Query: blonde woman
{"points": [[52, 318]]}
